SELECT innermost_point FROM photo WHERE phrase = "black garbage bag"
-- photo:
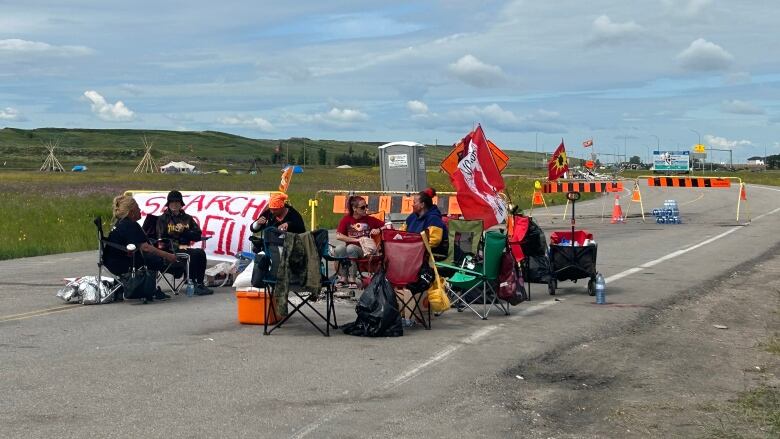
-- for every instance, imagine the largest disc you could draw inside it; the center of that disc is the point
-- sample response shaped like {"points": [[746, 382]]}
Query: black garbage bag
{"points": [[377, 311], [539, 269], [534, 242]]}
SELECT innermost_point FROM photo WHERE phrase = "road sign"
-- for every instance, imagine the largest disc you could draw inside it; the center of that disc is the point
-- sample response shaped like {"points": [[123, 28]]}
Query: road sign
{"points": [[671, 160], [699, 148]]}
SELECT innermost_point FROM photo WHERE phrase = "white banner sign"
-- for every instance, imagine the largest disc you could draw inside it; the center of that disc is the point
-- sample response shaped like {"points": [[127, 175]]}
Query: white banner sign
{"points": [[225, 216]]}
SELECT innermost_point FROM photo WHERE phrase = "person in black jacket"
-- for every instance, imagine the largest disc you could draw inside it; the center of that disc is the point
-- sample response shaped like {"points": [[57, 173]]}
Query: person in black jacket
{"points": [[179, 227], [280, 215], [126, 230]]}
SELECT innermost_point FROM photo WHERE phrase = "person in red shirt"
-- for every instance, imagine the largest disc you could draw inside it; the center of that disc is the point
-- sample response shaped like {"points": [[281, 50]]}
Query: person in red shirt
{"points": [[355, 225]]}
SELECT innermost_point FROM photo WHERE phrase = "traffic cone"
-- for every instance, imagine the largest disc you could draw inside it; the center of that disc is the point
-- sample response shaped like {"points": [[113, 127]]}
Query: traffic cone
{"points": [[742, 193], [617, 212], [538, 200]]}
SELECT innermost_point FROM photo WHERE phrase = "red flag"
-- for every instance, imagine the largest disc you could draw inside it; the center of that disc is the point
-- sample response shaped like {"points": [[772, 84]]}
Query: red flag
{"points": [[478, 182], [559, 163], [587, 143]]}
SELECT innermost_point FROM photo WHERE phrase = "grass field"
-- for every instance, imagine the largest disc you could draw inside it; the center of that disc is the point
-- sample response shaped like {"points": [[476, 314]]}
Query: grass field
{"points": [[52, 212], [106, 150], [49, 213]]}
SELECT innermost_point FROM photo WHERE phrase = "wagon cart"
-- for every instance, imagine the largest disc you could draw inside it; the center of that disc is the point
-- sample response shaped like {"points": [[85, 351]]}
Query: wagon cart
{"points": [[572, 254]]}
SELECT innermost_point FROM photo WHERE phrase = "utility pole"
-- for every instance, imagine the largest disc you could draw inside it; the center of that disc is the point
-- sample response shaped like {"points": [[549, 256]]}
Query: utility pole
{"points": [[536, 150], [699, 143], [625, 149], [657, 146], [304, 153]]}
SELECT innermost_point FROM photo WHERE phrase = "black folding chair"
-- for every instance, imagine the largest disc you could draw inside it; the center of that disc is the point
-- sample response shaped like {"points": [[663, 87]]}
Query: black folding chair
{"points": [[102, 244], [279, 301], [179, 271], [131, 252]]}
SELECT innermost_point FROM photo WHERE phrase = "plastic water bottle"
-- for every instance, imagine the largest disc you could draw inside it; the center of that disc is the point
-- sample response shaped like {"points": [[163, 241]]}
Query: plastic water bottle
{"points": [[190, 288], [601, 290]]}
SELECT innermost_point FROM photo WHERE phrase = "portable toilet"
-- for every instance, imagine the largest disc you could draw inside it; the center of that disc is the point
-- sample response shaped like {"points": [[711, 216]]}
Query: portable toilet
{"points": [[402, 167]]}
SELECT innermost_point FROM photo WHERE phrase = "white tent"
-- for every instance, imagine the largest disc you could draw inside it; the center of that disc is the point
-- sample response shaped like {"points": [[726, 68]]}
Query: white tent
{"points": [[177, 168]]}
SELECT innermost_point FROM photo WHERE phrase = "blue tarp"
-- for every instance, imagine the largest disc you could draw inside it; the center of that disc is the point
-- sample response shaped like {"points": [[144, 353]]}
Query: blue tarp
{"points": [[79, 168], [296, 169]]}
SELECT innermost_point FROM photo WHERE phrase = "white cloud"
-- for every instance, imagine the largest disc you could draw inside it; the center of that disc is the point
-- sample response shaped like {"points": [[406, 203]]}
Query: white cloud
{"points": [[704, 55], [253, 122], [417, 107], [605, 31], [339, 118], [723, 143], [740, 107], [117, 112], [493, 116], [345, 115], [474, 72], [11, 114], [546, 115], [686, 8], [17, 46]]}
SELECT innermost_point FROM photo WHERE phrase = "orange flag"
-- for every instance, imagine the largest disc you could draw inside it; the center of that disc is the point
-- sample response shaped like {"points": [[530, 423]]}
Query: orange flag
{"points": [[286, 177], [450, 163]]}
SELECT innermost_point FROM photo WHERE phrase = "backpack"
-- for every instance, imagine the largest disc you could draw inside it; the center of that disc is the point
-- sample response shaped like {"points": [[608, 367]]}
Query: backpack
{"points": [[261, 270], [510, 281]]}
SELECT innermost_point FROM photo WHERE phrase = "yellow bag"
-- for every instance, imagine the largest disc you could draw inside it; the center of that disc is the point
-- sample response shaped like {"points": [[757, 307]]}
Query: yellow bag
{"points": [[437, 294]]}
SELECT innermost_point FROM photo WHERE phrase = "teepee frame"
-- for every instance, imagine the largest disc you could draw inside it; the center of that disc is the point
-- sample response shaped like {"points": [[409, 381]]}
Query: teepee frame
{"points": [[51, 164], [147, 164]]}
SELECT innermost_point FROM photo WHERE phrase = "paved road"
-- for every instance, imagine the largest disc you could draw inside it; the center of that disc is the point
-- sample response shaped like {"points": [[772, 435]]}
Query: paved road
{"points": [[185, 368]]}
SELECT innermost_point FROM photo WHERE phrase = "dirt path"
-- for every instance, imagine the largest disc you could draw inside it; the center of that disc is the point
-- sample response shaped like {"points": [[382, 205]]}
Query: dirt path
{"points": [[672, 373]]}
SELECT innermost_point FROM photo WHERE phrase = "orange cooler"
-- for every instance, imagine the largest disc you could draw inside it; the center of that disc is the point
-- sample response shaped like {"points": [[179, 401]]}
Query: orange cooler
{"points": [[252, 303]]}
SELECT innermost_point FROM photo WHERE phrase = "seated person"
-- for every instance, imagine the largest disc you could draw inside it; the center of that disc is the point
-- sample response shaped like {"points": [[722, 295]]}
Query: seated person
{"points": [[178, 226], [426, 217], [280, 215], [354, 225], [126, 230]]}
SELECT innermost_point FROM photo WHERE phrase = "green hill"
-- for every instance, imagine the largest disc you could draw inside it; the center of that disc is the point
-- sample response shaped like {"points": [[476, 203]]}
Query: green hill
{"points": [[208, 150]]}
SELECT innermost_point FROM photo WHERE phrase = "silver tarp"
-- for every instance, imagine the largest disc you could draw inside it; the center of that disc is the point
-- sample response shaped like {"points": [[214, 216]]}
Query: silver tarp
{"points": [[85, 291]]}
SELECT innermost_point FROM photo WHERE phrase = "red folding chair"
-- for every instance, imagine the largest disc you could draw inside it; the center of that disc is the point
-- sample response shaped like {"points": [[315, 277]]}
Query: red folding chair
{"points": [[404, 254]]}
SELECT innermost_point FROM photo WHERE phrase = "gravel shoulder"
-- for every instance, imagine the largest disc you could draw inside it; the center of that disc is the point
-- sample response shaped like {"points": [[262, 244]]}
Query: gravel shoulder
{"points": [[704, 364]]}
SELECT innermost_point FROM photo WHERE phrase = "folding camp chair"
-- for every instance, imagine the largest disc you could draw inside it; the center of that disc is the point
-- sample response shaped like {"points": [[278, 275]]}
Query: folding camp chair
{"points": [[484, 275], [280, 308], [178, 271], [464, 237], [404, 255], [102, 244]]}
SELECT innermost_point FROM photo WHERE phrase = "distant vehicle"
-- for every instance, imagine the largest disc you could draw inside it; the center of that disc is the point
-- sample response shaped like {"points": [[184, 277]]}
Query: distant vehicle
{"points": [[79, 168]]}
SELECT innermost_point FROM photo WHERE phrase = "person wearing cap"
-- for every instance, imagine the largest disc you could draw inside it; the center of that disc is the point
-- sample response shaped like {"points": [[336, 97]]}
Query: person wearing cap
{"points": [[280, 215], [181, 228]]}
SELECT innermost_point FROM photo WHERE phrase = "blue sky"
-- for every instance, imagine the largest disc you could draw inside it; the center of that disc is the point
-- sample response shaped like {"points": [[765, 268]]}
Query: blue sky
{"points": [[629, 74]]}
